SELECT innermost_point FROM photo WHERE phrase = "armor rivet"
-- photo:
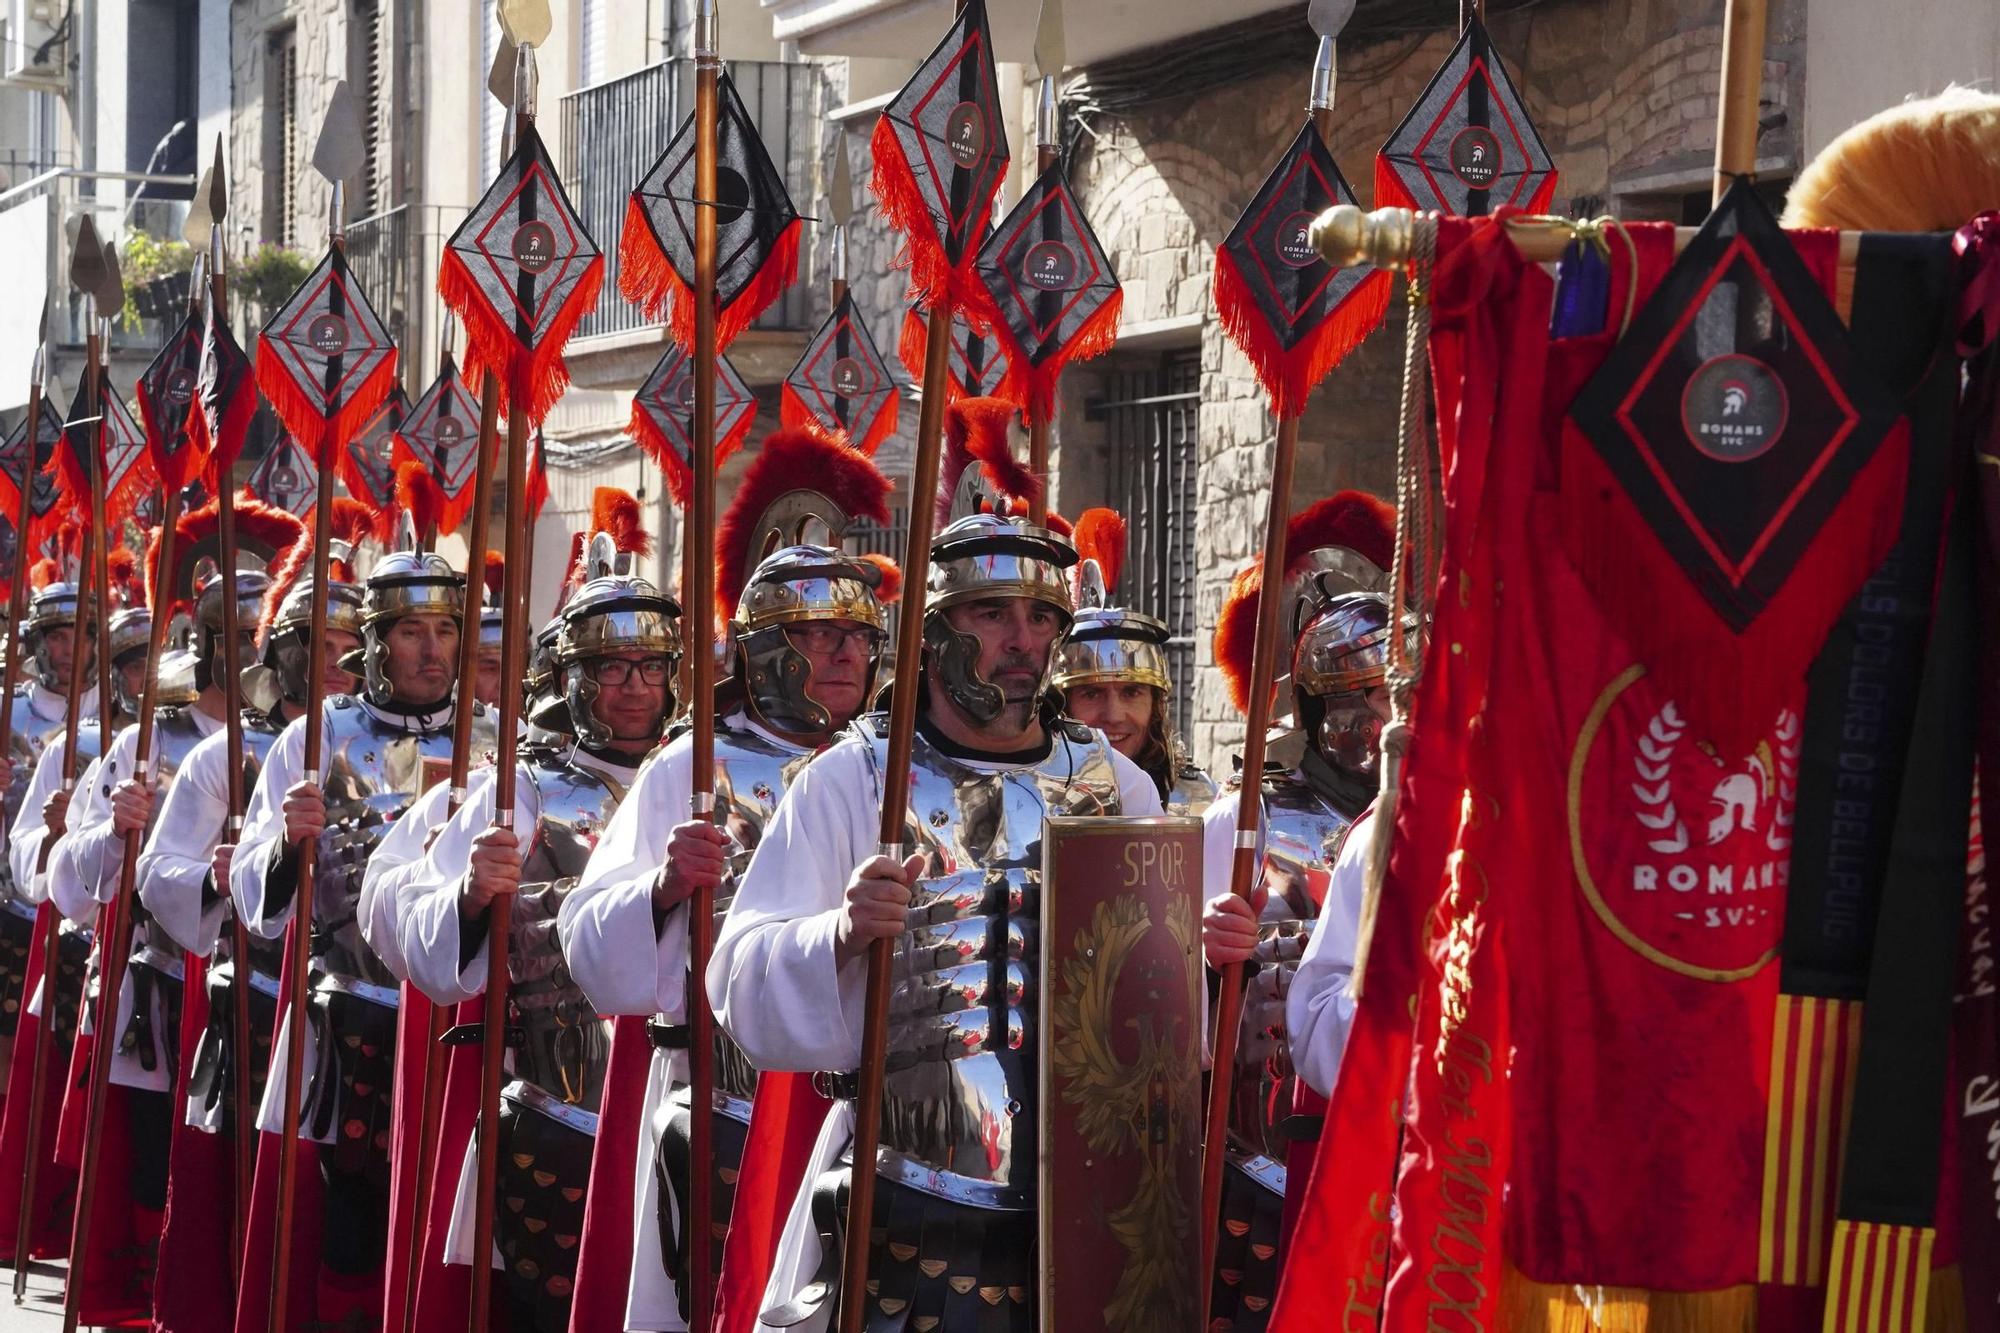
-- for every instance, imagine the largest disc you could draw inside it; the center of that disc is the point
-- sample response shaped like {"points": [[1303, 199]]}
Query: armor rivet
{"points": [[939, 818], [1013, 1107]]}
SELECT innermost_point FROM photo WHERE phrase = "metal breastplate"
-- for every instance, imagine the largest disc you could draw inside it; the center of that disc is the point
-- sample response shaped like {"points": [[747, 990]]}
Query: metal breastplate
{"points": [[751, 774], [30, 736], [567, 1045], [1300, 839], [373, 772], [961, 1088], [1193, 792], [175, 734], [259, 735]]}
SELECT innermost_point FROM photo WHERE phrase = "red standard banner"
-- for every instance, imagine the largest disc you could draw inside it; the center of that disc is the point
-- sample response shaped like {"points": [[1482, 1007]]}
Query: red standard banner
{"points": [[1120, 1066]]}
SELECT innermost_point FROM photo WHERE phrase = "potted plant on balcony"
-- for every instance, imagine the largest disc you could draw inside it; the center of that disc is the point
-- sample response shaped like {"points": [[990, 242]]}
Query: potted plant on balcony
{"points": [[156, 276], [271, 273]]}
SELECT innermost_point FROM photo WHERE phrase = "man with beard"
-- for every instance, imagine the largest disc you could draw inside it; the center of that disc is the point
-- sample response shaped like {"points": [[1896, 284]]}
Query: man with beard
{"points": [[957, 1204], [375, 747], [1308, 896], [806, 630]]}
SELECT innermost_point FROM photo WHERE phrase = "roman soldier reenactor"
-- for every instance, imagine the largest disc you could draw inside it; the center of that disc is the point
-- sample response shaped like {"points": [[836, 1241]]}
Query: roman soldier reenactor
{"points": [[957, 1201], [806, 631], [598, 698], [376, 745], [1113, 674], [1309, 898]]}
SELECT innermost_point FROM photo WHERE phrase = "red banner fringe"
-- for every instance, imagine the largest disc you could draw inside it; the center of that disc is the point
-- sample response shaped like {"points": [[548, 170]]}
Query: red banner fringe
{"points": [[780, 267], [913, 348], [1290, 375], [933, 276], [320, 436], [534, 376], [646, 277], [1097, 336]]}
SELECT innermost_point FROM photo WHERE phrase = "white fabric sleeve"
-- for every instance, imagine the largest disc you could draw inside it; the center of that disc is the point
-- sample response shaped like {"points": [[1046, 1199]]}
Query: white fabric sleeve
{"points": [[24, 842], [67, 889], [264, 834], [430, 930], [174, 867], [1218, 846], [1318, 1011], [1138, 794], [624, 964], [387, 885], [95, 849], [776, 983]]}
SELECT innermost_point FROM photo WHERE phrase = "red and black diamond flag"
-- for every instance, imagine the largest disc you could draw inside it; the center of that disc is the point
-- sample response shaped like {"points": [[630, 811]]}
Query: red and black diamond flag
{"points": [[225, 397], [519, 272], [1467, 147], [1048, 287], [979, 364], [19, 462], [127, 474], [663, 417], [286, 478], [842, 384], [324, 361], [366, 463], [441, 431], [1733, 472], [756, 229], [940, 152], [1294, 315], [167, 405]]}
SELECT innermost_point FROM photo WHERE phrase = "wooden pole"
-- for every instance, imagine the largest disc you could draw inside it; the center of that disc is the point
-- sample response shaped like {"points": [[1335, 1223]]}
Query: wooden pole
{"points": [[434, 1063], [298, 935], [1250, 803], [81, 645], [115, 940], [1743, 27], [699, 613]]}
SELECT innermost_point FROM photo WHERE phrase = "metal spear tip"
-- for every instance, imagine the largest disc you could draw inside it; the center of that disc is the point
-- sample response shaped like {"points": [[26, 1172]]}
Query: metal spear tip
{"points": [[218, 185], [1050, 55], [500, 79], [840, 195], [86, 258], [199, 220], [338, 153], [1329, 17], [527, 80], [526, 22], [111, 292]]}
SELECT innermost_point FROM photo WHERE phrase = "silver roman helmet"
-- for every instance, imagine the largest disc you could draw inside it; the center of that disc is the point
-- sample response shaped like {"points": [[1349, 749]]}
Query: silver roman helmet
{"points": [[52, 607], [403, 583], [252, 585], [128, 634], [613, 611], [1108, 643], [782, 567], [285, 667], [984, 556]]}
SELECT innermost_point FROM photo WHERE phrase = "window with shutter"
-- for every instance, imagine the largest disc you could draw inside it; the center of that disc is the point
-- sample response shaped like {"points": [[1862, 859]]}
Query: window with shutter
{"points": [[365, 64], [592, 28], [282, 191]]}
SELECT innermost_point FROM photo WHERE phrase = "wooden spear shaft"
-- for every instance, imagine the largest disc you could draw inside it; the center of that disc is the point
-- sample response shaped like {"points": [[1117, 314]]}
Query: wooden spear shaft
{"points": [[700, 613], [298, 934], [80, 646], [241, 1045], [434, 1064], [1249, 817], [115, 937], [895, 804], [500, 916], [1743, 28]]}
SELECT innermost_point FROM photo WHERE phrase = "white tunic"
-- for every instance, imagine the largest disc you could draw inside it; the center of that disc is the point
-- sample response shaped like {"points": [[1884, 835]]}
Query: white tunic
{"points": [[174, 867], [777, 984], [628, 966], [24, 845], [39, 711], [83, 875], [387, 882]]}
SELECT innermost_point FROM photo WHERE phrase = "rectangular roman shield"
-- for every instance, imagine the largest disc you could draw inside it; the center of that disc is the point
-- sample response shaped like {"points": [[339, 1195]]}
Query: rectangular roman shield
{"points": [[1120, 1066]]}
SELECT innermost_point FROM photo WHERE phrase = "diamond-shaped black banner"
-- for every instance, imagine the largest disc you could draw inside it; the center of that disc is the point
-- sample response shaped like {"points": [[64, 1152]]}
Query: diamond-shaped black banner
{"points": [[1467, 146], [519, 272], [979, 365], [441, 430], [17, 461], [941, 150], [1293, 289], [367, 464], [756, 227], [326, 360], [225, 392], [1733, 412], [842, 384], [663, 415], [166, 392], [286, 478]]}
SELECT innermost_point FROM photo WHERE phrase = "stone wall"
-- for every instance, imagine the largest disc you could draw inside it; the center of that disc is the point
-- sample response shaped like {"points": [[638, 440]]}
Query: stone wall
{"points": [[1623, 91]]}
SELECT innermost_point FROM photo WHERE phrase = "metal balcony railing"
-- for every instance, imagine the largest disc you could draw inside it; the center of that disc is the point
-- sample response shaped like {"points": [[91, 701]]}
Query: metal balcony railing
{"points": [[612, 132], [378, 252]]}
